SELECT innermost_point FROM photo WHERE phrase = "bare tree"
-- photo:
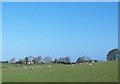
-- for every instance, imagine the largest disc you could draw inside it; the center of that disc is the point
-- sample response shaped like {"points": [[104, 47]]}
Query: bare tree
{"points": [[68, 60], [37, 60], [47, 60], [83, 59], [20, 61], [30, 58], [13, 60], [62, 59], [56, 60]]}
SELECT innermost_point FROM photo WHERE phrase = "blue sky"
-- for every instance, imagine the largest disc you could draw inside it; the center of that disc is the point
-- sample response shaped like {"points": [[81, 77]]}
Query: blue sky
{"points": [[59, 29]]}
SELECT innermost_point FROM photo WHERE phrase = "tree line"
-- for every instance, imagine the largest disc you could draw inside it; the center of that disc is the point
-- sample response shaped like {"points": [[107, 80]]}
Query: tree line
{"points": [[48, 60], [113, 54]]}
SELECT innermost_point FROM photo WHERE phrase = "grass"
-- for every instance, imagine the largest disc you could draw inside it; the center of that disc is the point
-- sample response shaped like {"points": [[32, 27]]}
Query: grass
{"points": [[98, 72]]}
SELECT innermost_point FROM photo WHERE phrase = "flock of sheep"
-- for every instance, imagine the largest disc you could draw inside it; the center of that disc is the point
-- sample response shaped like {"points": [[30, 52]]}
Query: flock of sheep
{"points": [[49, 66]]}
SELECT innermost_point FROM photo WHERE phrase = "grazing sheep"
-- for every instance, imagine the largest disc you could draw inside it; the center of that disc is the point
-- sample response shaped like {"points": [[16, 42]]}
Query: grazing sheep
{"points": [[29, 62], [72, 65], [49, 66], [80, 63], [90, 64]]}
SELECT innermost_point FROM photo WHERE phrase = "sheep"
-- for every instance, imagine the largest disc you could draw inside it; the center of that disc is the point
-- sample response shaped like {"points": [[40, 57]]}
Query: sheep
{"points": [[49, 66], [80, 63], [72, 65], [90, 64]]}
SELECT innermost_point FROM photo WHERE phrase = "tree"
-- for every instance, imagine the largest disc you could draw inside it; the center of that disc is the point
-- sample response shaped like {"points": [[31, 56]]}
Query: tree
{"points": [[95, 60], [13, 60], [68, 60], [20, 61], [56, 60], [113, 55], [30, 58], [87, 59], [79, 60], [37, 60], [47, 60], [83, 59], [118, 56], [62, 59], [26, 60]]}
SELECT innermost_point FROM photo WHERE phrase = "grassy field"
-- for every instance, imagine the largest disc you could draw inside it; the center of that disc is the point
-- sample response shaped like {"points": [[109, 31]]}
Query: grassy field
{"points": [[98, 72]]}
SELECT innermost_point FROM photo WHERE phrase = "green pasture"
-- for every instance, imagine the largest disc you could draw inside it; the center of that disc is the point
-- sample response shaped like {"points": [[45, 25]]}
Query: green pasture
{"points": [[98, 72]]}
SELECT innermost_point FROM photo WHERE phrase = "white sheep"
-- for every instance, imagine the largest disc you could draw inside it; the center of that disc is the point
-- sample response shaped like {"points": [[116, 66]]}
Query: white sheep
{"points": [[80, 63], [90, 64], [72, 65], [49, 66]]}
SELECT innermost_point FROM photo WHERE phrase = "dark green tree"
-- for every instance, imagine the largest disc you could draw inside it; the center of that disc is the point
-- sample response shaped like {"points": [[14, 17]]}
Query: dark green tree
{"points": [[56, 60], [62, 59], [79, 60], [20, 61], [26, 60], [113, 55]]}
